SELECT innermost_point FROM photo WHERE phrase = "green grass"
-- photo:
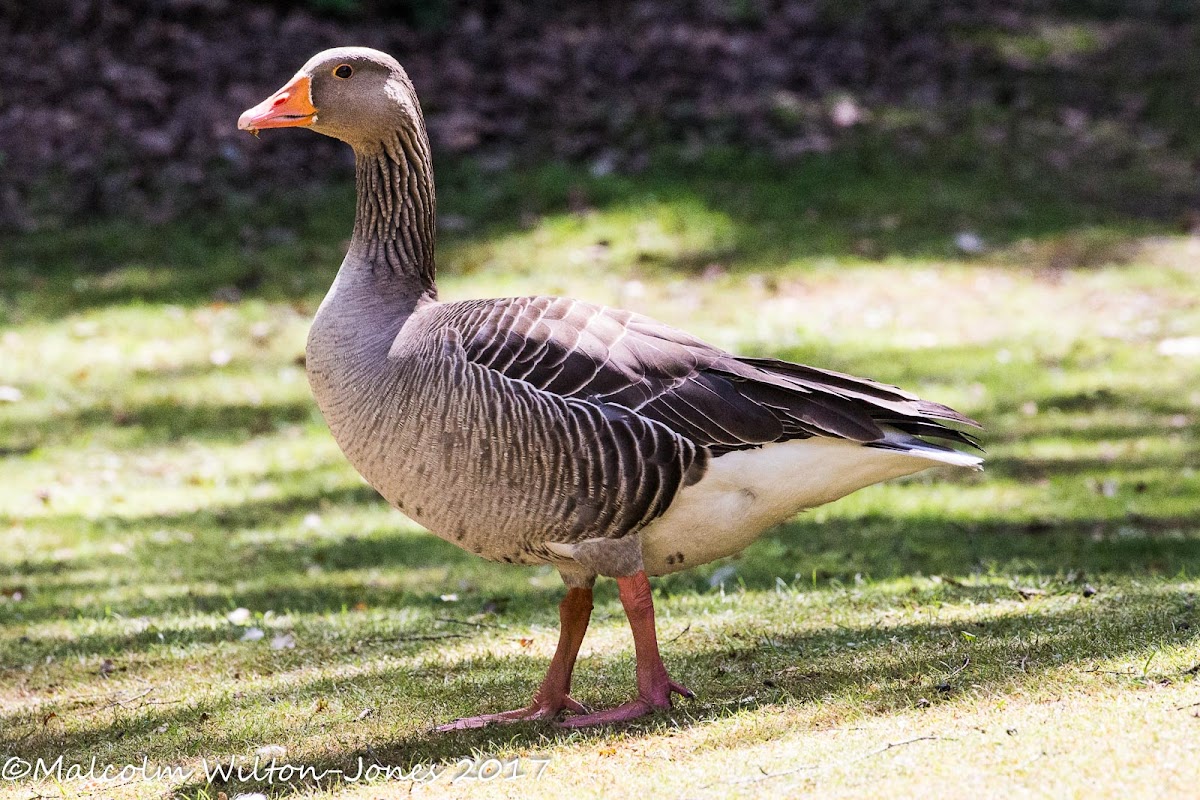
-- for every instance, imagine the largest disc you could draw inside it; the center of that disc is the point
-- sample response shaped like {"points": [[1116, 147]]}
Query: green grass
{"points": [[1030, 629]]}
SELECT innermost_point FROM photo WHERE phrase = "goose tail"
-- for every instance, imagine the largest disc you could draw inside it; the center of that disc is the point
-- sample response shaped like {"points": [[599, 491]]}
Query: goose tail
{"points": [[899, 441]]}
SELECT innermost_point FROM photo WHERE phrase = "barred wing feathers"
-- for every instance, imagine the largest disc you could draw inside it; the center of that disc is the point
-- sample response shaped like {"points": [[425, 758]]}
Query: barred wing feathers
{"points": [[714, 399]]}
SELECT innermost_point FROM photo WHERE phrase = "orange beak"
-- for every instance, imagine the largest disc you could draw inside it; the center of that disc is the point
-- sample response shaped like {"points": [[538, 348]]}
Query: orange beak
{"points": [[290, 107]]}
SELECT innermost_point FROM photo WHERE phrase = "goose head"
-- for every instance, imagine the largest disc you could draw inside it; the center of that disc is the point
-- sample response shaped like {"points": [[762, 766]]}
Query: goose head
{"points": [[356, 94]]}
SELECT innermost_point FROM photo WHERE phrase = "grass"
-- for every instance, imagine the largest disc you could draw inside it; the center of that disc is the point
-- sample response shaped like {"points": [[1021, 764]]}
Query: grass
{"points": [[1032, 629]]}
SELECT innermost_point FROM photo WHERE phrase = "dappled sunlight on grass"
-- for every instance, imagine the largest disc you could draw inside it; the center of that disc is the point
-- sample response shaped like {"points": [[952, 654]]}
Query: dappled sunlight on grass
{"points": [[635, 236], [164, 466]]}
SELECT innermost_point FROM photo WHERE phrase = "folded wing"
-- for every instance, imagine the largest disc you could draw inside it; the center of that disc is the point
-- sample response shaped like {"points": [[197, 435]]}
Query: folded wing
{"points": [[622, 360]]}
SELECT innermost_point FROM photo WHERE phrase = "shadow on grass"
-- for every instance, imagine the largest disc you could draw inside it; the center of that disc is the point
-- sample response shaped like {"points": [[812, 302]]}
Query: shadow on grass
{"points": [[879, 668], [888, 668], [159, 642], [331, 574], [859, 203], [158, 422], [168, 421]]}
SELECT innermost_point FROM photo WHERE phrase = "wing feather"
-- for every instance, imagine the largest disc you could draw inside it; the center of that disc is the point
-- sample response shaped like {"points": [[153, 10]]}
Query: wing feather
{"points": [[704, 394]]}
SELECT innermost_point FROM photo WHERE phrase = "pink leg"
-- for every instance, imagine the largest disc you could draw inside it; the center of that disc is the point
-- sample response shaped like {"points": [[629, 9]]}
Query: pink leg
{"points": [[654, 684], [552, 696]]}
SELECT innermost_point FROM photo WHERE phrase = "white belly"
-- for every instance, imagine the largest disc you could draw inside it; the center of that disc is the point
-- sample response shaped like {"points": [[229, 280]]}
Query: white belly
{"points": [[745, 492]]}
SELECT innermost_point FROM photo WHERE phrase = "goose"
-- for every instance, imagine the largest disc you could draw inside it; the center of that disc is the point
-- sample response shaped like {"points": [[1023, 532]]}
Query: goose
{"points": [[546, 430]]}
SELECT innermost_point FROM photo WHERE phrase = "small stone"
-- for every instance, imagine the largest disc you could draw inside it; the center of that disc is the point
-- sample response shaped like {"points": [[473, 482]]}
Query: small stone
{"points": [[260, 332], [271, 752], [284, 641], [846, 113], [969, 243]]}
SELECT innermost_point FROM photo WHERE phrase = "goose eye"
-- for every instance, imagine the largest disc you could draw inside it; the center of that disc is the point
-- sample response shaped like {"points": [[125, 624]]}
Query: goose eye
{"points": [[343, 71]]}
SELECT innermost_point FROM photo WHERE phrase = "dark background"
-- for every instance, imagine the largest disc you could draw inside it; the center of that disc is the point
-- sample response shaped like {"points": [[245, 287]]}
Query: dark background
{"points": [[129, 108]]}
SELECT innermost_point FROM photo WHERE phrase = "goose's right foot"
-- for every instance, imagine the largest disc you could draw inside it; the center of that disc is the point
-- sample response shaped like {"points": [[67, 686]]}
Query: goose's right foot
{"points": [[655, 686], [539, 709]]}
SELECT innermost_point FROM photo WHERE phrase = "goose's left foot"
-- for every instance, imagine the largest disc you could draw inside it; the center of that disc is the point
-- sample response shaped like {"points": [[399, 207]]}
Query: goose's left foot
{"points": [[655, 686], [552, 697]]}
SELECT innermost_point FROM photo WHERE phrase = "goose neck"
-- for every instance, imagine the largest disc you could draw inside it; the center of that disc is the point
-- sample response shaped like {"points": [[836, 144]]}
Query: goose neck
{"points": [[395, 218]]}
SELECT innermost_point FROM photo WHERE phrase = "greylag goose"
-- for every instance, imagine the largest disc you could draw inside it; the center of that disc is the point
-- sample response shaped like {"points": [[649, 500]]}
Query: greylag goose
{"points": [[544, 430]]}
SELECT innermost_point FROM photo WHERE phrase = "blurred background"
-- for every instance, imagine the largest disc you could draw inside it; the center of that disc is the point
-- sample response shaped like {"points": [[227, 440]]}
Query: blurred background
{"points": [[126, 107], [994, 203]]}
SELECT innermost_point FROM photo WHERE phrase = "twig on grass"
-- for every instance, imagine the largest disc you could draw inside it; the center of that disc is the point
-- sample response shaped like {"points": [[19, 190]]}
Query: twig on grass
{"points": [[115, 703], [107, 788], [686, 628], [471, 624], [417, 637], [890, 745]]}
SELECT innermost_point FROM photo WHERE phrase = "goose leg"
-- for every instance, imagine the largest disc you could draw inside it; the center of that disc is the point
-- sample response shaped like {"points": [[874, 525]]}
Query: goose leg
{"points": [[654, 684], [552, 696]]}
